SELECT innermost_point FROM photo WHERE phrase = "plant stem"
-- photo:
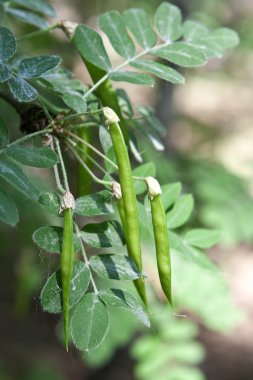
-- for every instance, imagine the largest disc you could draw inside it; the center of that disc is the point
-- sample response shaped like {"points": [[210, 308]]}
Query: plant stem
{"points": [[56, 173], [64, 173], [30, 136], [93, 148], [85, 258], [95, 178], [38, 33]]}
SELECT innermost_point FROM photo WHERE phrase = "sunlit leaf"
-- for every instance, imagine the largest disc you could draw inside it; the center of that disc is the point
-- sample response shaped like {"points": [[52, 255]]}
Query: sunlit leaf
{"points": [[105, 234], [114, 267]]}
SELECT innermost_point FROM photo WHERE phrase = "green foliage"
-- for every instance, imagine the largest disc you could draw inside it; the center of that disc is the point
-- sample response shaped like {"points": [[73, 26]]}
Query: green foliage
{"points": [[67, 107]]}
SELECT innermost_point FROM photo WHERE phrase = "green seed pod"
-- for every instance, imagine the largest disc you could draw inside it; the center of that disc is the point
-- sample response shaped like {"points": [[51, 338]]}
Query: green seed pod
{"points": [[67, 258], [130, 221], [161, 236]]}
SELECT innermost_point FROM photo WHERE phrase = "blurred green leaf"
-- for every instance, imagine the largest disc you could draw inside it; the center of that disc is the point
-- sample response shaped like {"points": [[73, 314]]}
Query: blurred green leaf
{"points": [[28, 17], [202, 238], [37, 6], [168, 21], [182, 54], [115, 267], [12, 173], [144, 171], [132, 77], [170, 193], [8, 210], [138, 23], [105, 234], [75, 101], [180, 212], [192, 30], [51, 294], [43, 157], [112, 24], [160, 70], [89, 323]]}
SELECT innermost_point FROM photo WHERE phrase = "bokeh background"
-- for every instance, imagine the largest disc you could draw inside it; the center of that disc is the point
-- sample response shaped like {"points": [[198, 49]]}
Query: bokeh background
{"points": [[208, 147]]}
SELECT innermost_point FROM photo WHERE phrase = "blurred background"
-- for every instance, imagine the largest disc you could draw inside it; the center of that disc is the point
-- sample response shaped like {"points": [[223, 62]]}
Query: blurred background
{"points": [[208, 147]]}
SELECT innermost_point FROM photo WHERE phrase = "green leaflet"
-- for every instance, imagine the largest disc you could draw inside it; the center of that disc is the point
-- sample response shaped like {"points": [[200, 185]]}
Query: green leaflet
{"points": [[132, 77], [28, 17], [8, 210], [105, 234], [180, 212], [202, 238], [89, 323], [22, 90], [138, 23], [91, 47], [12, 173], [168, 21], [7, 44], [51, 294], [43, 157], [112, 24], [5, 72], [115, 267], [159, 70], [37, 66], [182, 54]]}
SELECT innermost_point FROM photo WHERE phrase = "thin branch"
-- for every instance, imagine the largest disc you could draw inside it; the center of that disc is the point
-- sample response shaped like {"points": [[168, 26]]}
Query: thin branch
{"points": [[30, 136], [85, 258], [38, 33], [63, 169], [95, 178], [93, 148]]}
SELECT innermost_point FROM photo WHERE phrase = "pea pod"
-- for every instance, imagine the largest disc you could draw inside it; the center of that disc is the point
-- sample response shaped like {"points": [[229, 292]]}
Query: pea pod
{"points": [[67, 258], [130, 221], [161, 236]]}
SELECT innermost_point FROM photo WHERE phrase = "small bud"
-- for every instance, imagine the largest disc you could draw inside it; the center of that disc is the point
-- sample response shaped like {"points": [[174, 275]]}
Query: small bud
{"points": [[110, 116], [154, 187], [116, 189], [68, 201], [69, 28]]}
